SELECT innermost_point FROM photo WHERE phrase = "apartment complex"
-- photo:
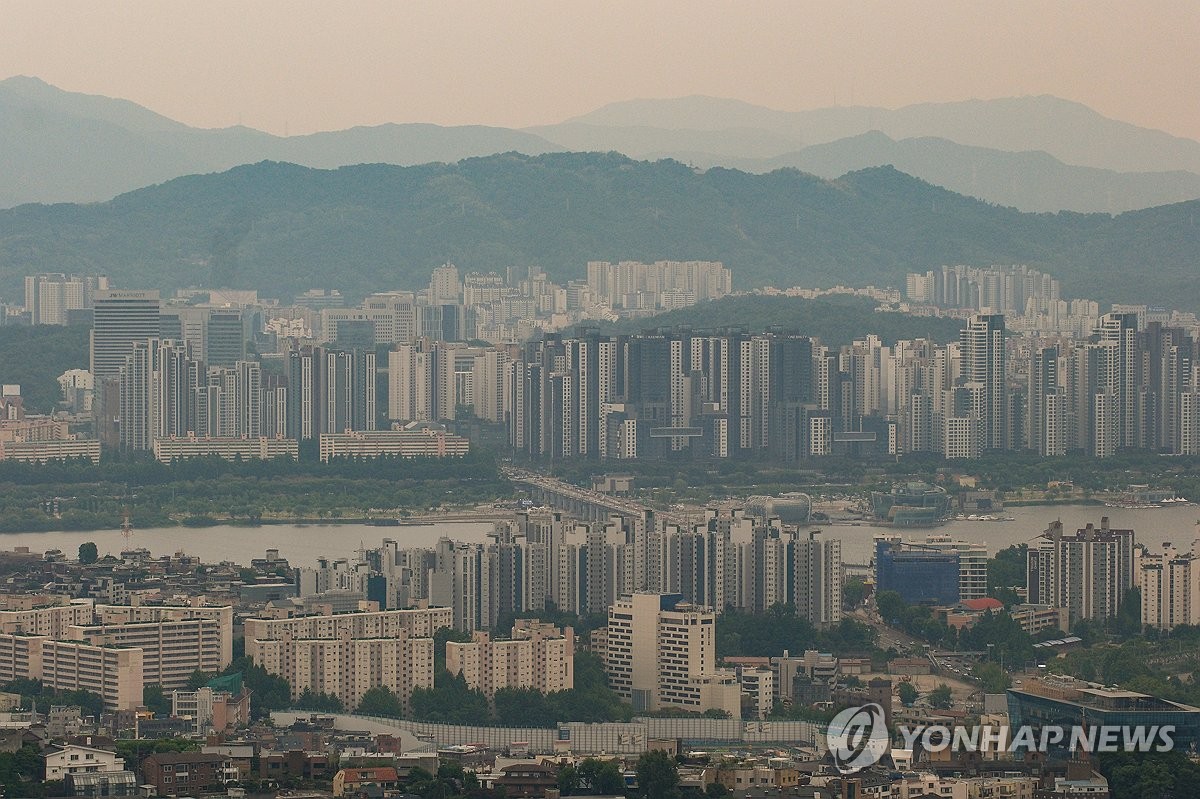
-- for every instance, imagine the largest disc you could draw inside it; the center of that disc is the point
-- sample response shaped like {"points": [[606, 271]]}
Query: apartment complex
{"points": [[416, 442], [546, 558], [175, 641], [230, 448], [538, 656], [346, 655], [114, 650], [1086, 572], [661, 653], [51, 297], [660, 286], [114, 674]]}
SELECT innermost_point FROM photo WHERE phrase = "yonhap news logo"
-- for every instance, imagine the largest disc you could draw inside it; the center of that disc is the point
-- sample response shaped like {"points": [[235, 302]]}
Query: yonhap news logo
{"points": [[857, 738]]}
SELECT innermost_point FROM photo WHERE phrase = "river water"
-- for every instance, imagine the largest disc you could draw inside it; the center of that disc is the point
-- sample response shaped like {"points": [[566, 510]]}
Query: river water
{"points": [[1151, 527], [303, 544]]}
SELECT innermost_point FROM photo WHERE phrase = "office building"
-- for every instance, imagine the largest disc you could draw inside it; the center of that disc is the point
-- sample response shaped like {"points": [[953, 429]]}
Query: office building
{"points": [[1068, 702], [121, 318], [920, 574], [661, 653]]}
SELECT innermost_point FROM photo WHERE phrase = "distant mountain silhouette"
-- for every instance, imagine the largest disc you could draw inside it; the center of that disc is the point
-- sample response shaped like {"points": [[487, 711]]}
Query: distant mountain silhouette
{"points": [[63, 146], [1069, 131], [1028, 181], [283, 228], [67, 147]]}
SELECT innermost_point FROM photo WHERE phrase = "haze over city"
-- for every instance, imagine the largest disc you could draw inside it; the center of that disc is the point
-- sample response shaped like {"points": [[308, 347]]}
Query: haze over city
{"points": [[539, 400], [304, 67]]}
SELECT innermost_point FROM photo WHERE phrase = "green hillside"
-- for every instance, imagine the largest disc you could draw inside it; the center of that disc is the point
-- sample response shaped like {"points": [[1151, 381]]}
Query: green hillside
{"points": [[282, 228], [34, 357], [836, 320]]}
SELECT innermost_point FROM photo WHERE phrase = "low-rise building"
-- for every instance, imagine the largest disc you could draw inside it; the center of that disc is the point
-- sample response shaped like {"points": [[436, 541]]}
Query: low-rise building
{"points": [[1038, 618], [229, 448], [349, 781], [423, 443], [530, 779], [46, 451], [212, 709], [75, 759], [182, 773]]}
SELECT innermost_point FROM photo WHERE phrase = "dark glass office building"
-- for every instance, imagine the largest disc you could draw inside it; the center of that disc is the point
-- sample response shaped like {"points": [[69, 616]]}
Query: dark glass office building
{"points": [[1067, 702], [920, 575]]}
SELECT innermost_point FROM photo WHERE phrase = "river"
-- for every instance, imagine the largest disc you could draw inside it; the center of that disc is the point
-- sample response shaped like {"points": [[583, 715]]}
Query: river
{"points": [[303, 544], [1151, 527]]}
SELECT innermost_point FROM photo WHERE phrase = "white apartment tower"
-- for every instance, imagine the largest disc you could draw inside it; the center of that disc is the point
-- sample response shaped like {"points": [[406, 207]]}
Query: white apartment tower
{"points": [[1170, 583], [661, 653]]}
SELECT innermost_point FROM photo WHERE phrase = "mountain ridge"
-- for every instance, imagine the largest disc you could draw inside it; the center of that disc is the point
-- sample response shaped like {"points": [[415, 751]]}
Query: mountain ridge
{"points": [[65, 146], [283, 228]]}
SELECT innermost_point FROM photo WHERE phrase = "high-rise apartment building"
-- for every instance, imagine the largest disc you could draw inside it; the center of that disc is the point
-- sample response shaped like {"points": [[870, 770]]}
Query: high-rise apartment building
{"points": [[346, 655], [661, 653], [114, 650], [1087, 572], [50, 298], [1170, 585], [444, 285], [538, 656], [983, 371]]}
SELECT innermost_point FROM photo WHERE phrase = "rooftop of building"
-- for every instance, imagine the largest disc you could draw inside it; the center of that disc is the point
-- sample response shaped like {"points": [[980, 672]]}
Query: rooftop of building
{"points": [[1099, 697]]}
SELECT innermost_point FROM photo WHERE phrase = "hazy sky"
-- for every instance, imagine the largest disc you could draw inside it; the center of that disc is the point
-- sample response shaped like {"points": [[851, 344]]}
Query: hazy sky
{"points": [[305, 66]]}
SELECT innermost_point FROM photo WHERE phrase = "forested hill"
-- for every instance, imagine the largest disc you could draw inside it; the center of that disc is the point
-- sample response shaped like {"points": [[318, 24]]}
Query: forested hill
{"points": [[282, 228], [836, 320]]}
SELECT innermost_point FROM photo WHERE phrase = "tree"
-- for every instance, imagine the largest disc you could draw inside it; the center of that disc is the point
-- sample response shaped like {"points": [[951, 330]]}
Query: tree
{"points": [[1128, 621], [270, 692], [568, 780], [940, 697], [320, 702], [155, 700], [198, 680], [450, 701], [1006, 571], [908, 694], [380, 701], [601, 776], [854, 592], [992, 678], [657, 776], [88, 553], [715, 790]]}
